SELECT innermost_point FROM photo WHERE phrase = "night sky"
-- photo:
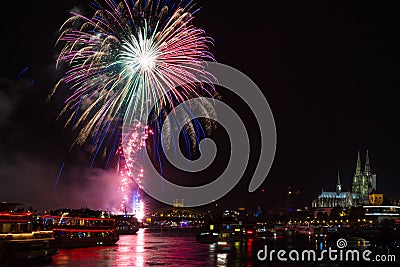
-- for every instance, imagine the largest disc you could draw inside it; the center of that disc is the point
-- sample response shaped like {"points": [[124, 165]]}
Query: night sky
{"points": [[328, 70]]}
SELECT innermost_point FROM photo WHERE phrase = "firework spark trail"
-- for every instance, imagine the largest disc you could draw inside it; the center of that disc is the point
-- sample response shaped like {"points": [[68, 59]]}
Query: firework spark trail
{"points": [[133, 145], [126, 58], [192, 132], [22, 72], [58, 177]]}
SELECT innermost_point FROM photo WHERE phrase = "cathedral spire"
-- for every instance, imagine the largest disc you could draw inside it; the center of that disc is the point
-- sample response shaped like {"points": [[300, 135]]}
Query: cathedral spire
{"points": [[367, 168], [358, 166], [338, 185]]}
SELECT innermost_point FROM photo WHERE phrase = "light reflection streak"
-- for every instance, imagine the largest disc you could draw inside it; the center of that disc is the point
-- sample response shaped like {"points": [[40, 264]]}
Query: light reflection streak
{"points": [[139, 248], [222, 259]]}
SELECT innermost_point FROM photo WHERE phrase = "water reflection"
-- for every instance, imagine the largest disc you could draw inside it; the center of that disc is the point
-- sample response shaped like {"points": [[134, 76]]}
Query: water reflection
{"points": [[222, 259], [249, 252], [139, 248], [148, 248]]}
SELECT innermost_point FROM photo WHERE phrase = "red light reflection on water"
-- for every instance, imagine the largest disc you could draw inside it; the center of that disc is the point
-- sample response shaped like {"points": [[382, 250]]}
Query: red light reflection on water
{"points": [[147, 248], [128, 252]]}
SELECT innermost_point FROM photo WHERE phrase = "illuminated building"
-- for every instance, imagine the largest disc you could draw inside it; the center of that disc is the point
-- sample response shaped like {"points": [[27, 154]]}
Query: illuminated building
{"points": [[375, 198], [180, 204], [331, 199], [363, 184], [138, 205]]}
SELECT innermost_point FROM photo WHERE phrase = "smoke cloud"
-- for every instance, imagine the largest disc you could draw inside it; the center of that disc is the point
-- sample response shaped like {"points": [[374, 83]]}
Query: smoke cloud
{"points": [[9, 98], [31, 181]]}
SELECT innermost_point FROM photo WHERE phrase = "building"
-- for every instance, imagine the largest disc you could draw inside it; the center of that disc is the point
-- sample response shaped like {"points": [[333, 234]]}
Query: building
{"points": [[376, 198], [331, 199], [364, 182]]}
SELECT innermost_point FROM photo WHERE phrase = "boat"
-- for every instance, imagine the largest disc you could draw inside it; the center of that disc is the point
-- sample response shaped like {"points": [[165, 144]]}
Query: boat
{"points": [[223, 231], [355, 242], [126, 224], [307, 230], [279, 230], [71, 232], [20, 240], [219, 236], [263, 231]]}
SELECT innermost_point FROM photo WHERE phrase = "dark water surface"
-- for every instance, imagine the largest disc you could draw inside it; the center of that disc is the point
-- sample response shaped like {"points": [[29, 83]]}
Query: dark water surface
{"points": [[156, 249], [145, 249], [179, 249]]}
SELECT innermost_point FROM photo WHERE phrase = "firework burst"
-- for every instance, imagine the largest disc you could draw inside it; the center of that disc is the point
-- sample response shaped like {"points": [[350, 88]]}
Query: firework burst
{"points": [[126, 59]]}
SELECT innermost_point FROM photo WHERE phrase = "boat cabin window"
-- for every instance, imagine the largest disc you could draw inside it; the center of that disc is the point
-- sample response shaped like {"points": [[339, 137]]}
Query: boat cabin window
{"points": [[6, 228]]}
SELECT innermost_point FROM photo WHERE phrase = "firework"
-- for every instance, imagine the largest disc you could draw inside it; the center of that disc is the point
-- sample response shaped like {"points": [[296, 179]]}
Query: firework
{"points": [[193, 131], [129, 168], [122, 64], [138, 206], [126, 59]]}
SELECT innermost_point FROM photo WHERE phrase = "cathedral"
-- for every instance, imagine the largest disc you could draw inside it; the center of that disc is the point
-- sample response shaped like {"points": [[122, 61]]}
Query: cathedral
{"points": [[364, 182]]}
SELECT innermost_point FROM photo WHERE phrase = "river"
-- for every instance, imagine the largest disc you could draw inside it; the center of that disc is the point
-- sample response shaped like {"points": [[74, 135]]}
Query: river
{"points": [[179, 249]]}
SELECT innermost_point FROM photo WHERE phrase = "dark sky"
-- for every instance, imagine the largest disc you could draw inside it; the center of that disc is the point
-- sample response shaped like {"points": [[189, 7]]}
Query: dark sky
{"points": [[328, 70]]}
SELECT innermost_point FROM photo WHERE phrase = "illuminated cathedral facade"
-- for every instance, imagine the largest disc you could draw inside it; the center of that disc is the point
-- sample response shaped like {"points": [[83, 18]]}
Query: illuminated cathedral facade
{"points": [[364, 182]]}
